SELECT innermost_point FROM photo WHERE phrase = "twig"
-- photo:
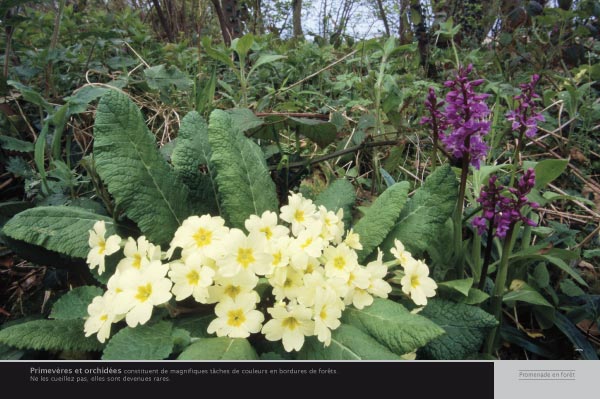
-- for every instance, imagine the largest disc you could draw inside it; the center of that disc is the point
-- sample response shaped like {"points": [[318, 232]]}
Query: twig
{"points": [[318, 72], [294, 115], [335, 154], [588, 238]]}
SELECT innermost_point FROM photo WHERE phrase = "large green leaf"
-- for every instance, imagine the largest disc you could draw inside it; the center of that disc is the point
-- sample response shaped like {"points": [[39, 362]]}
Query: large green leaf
{"points": [[192, 152], [74, 304], [338, 195], [50, 335], [423, 217], [147, 342], [144, 186], [245, 185], [12, 144], [62, 229], [164, 78], [466, 327], [196, 325], [219, 349], [347, 343], [392, 325], [243, 119], [580, 342], [380, 218]]}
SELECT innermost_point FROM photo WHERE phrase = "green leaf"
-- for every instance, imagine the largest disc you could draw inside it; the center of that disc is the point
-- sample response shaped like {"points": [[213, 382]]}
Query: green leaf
{"points": [[242, 45], [548, 170], [147, 342], [12, 144], [164, 78], [423, 217], [215, 53], [392, 325], [265, 59], [554, 256], [321, 132], [192, 152], [195, 325], [32, 96], [463, 286], [50, 335], [219, 349], [526, 294], [74, 304], [475, 297], [465, 326], [380, 218], [244, 182], [63, 229], [569, 288], [579, 341], [243, 119], [347, 343], [9, 209], [141, 181], [338, 195]]}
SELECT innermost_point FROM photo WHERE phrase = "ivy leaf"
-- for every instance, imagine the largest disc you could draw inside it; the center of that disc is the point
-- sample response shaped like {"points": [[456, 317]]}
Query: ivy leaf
{"points": [[222, 348], [147, 342], [392, 325], [426, 212], [465, 326], [192, 152], [49, 335], [63, 229], [245, 185], [74, 304], [143, 184], [380, 218], [347, 343]]}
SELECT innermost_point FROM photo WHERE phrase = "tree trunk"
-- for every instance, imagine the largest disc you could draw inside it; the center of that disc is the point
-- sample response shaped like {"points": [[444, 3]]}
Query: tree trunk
{"points": [[421, 32], [297, 18], [163, 20], [383, 17], [229, 19]]}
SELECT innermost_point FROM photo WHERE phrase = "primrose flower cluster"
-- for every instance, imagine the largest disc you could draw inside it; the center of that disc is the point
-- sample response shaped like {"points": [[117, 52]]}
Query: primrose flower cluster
{"points": [[303, 253]]}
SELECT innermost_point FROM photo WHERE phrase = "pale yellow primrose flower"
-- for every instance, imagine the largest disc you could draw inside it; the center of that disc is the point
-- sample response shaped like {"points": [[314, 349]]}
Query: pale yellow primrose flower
{"points": [[243, 252], [101, 247], [291, 286], [340, 261], [416, 282], [333, 224], [243, 282], [353, 240], [141, 291], [327, 312], [191, 278], [202, 235], [236, 318], [308, 244], [300, 213], [401, 254], [377, 272], [290, 324], [266, 225], [138, 254], [101, 316]]}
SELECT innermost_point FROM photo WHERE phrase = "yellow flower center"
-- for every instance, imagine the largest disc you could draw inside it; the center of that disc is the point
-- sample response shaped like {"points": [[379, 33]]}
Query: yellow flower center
{"points": [[193, 277], [268, 232], [351, 278], [236, 317], [232, 291], [290, 323], [118, 290], [245, 257], [102, 247], [277, 258], [288, 283], [144, 292], [339, 262], [299, 216], [414, 281], [306, 243], [323, 314], [104, 317], [137, 261], [203, 237]]}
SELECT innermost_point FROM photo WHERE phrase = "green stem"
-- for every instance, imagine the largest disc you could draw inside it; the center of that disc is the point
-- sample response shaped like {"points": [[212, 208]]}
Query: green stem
{"points": [[487, 256], [499, 288], [515, 165], [458, 213]]}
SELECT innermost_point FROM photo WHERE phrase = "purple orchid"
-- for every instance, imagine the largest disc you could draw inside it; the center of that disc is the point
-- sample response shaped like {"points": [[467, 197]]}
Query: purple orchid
{"points": [[526, 115]]}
